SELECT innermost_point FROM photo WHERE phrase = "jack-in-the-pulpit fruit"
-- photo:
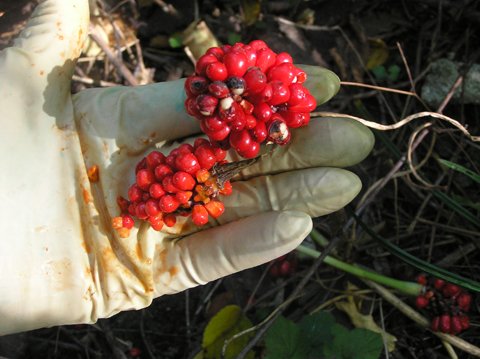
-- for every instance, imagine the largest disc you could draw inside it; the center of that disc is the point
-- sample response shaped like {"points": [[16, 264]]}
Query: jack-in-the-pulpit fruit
{"points": [[245, 95]]}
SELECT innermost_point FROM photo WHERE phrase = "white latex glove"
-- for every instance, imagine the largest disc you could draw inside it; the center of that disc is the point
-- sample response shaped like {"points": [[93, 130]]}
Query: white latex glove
{"points": [[61, 262]]}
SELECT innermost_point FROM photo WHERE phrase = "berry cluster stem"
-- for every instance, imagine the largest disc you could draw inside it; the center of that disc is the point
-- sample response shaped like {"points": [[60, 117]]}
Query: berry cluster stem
{"points": [[410, 288]]}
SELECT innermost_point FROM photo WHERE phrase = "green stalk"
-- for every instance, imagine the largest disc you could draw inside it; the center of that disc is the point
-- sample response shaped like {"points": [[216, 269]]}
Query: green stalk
{"points": [[410, 288]]}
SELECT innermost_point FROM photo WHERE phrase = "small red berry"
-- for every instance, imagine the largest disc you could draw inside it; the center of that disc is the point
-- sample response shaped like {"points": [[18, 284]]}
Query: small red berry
{"points": [[199, 215], [127, 221], [162, 171], [464, 300], [192, 108], [240, 140], [258, 45], [455, 325], [215, 208], [154, 159], [151, 208], [185, 148], [465, 321], [277, 130], [284, 72], [283, 57], [263, 96], [301, 76], [187, 162], [227, 189], [200, 141], [145, 178], [255, 81], [285, 268], [207, 104], [217, 71], [250, 122], [195, 85], [184, 196], [168, 185], [435, 324], [169, 220], [307, 105], [134, 352], [280, 93], [444, 325], [274, 270], [251, 152], [141, 165], [298, 94], [135, 193], [169, 203], [450, 290], [215, 51], [236, 63], [140, 210], [265, 59], [183, 181], [205, 156], [262, 112], [438, 283], [219, 89], [421, 302], [259, 132], [202, 64]]}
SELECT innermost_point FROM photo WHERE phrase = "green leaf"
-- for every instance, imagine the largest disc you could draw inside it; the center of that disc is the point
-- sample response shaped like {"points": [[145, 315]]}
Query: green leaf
{"points": [[414, 261], [393, 72], [228, 322], [461, 169], [317, 330], [176, 41], [357, 344], [285, 340], [379, 72]]}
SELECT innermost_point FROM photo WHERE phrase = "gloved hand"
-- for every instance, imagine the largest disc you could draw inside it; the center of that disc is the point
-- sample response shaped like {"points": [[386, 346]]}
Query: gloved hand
{"points": [[61, 262]]}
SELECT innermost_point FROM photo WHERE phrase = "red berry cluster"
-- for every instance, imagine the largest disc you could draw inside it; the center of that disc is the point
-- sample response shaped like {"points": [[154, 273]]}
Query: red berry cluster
{"points": [[448, 303], [244, 95], [178, 184], [284, 266]]}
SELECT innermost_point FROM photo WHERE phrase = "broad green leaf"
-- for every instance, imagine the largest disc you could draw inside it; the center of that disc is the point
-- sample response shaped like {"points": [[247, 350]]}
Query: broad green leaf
{"points": [[234, 38], [333, 349], [323, 84], [228, 322], [285, 340], [362, 344], [357, 344], [317, 330]]}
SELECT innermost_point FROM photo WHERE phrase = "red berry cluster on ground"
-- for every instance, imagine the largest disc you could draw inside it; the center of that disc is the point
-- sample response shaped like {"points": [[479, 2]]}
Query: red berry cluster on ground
{"points": [[178, 184], [447, 302], [245, 95], [284, 266]]}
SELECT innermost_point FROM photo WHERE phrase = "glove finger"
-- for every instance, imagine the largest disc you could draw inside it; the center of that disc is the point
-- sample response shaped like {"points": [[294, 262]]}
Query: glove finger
{"points": [[323, 84], [214, 253], [132, 118], [46, 49], [324, 142], [314, 191]]}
